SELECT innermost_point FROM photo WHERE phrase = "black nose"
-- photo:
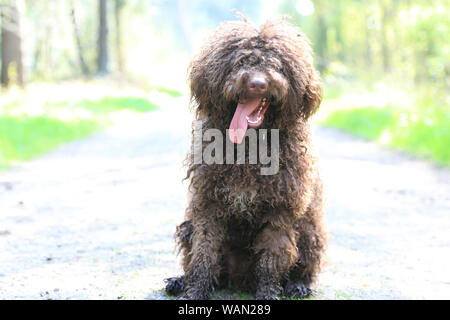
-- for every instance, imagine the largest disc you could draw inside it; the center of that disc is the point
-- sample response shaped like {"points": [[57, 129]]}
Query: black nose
{"points": [[257, 85]]}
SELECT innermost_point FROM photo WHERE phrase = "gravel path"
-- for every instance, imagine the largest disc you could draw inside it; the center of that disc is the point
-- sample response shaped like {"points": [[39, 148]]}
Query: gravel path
{"points": [[95, 218]]}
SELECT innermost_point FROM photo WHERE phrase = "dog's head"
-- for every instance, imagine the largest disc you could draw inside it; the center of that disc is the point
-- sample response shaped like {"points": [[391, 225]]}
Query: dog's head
{"points": [[251, 77]]}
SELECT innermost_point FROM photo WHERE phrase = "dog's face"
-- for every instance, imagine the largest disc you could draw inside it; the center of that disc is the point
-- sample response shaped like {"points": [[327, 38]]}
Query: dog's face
{"points": [[243, 75]]}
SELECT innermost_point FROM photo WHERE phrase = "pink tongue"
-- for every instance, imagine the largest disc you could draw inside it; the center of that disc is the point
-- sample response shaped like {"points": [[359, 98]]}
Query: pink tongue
{"points": [[239, 124]]}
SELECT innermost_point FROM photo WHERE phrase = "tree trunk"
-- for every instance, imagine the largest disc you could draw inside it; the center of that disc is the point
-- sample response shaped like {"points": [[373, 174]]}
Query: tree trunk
{"points": [[322, 37], [388, 11], [11, 51], [338, 30], [385, 54], [368, 42], [76, 32], [119, 50], [102, 59]]}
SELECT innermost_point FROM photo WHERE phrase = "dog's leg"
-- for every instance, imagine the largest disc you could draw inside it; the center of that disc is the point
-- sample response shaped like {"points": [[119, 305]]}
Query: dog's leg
{"points": [[277, 252], [296, 286], [203, 270], [311, 245], [183, 235], [302, 274], [174, 285]]}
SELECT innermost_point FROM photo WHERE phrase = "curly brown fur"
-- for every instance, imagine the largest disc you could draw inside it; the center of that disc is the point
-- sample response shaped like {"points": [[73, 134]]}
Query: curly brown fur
{"points": [[243, 230]]}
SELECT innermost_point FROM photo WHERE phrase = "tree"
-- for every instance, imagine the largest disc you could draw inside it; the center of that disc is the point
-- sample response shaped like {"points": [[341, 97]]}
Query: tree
{"points": [[82, 61], [102, 58], [11, 51], [322, 35], [385, 50], [119, 4]]}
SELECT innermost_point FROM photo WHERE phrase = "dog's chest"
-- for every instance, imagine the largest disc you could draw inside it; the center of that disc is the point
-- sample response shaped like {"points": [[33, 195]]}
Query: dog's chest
{"points": [[244, 190], [240, 200]]}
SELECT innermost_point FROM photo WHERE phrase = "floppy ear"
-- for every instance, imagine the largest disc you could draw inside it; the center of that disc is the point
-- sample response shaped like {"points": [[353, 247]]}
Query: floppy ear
{"points": [[313, 95], [197, 83]]}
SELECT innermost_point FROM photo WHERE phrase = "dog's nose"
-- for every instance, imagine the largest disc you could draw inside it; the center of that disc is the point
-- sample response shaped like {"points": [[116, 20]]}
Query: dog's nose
{"points": [[257, 85]]}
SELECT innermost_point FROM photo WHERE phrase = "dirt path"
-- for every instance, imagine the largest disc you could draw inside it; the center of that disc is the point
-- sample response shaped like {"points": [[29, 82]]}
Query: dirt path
{"points": [[95, 219], [389, 219]]}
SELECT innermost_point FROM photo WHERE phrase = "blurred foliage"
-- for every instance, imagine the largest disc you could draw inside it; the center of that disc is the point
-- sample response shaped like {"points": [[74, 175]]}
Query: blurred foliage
{"points": [[170, 92], [418, 123], [352, 39], [419, 132], [154, 33], [365, 122], [360, 46], [386, 69], [370, 39]]}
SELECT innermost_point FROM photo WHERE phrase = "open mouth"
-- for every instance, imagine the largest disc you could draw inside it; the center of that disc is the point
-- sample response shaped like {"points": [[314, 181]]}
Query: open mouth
{"points": [[249, 113], [255, 118]]}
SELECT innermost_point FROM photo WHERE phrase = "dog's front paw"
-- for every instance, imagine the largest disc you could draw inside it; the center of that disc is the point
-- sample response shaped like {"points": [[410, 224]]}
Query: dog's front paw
{"points": [[297, 290], [174, 286]]}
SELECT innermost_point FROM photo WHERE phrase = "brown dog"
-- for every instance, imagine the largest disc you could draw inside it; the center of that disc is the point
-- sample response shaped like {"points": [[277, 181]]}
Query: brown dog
{"points": [[244, 230]]}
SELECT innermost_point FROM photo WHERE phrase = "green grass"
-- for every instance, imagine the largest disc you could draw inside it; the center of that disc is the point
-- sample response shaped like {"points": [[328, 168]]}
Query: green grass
{"points": [[110, 104], [367, 122], [170, 92], [27, 137], [341, 295], [423, 130], [24, 137]]}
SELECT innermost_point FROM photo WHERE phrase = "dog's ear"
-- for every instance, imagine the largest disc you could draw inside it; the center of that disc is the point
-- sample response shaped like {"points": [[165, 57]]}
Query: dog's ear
{"points": [[312, 96], [198, 84]]}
